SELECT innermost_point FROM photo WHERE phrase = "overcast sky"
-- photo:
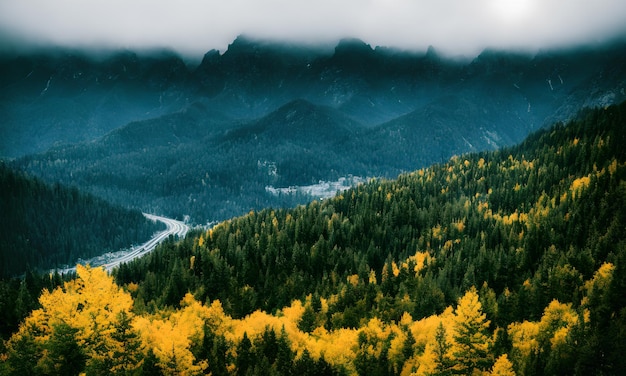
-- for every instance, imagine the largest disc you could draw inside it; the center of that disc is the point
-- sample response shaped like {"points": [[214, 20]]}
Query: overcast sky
{"points": [[457, 27]]}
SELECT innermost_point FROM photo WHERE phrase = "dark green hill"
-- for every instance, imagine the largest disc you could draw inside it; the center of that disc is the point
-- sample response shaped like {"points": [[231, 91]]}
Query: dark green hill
{"points": [[198, 162], [302, 123], [190, 125], [43, 227], [525, 225]]}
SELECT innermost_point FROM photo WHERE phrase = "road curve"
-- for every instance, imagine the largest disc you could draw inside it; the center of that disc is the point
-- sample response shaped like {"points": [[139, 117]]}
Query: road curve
{"points": [[174, 228]]}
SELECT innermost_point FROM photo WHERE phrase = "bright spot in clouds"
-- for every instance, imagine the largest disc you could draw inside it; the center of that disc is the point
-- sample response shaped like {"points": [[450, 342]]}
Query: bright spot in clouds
{"points": [[195, 26], [512, 10]]}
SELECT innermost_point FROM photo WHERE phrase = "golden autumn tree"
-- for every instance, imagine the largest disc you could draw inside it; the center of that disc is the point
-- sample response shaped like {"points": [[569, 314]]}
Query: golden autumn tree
{"points": [[472, 342], [546, 340], [523, 336], [502, 367], [171, 336], [90, 313]]}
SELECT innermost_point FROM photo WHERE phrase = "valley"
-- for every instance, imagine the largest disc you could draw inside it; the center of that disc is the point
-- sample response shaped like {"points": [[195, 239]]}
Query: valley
{"points": [[44, 226], [200, 144], [509, 261], [110, 260], [376, 211]]}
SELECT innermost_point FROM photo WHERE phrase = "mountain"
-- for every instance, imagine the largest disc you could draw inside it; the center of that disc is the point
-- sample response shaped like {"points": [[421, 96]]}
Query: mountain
{"points": [[299, 122], [200, 140], [497, 262], [61, 97], [437, 131], [190, 124], [43, 227], [199, 163]]}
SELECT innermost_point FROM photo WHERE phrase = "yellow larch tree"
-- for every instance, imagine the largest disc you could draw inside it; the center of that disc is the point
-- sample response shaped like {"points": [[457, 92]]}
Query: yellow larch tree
{"points": [[555, 324], [472, 341], [523, 336], [548, 335], [425, 334], [93, 307]]}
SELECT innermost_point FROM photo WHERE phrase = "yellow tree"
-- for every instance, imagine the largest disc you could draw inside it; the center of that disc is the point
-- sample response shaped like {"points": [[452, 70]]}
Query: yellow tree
{"points": [[171, 338], [90, 307], [471, 335], [544, 343], [523, 336], [503, 367]]}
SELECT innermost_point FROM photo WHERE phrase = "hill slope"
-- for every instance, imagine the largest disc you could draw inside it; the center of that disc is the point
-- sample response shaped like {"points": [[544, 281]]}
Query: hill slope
{"points": [[43, 226], [505, 261], [199, 163]]}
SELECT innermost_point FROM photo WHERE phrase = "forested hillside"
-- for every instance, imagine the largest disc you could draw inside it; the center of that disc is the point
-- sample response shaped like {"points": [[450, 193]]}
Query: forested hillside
{"points": [[43, 226], [502, 263]]}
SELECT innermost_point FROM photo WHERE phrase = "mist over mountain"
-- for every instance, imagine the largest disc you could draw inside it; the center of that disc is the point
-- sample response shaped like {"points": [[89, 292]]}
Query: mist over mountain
{"points": [[154, 133], [59, 97]]}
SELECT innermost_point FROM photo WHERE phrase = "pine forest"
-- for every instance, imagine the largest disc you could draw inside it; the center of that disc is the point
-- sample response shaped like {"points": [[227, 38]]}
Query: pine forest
{"points": [[508, 262]]}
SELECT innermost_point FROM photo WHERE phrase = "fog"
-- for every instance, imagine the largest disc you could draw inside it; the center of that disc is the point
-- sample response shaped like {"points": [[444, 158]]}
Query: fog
{"points": [[192, 27]]}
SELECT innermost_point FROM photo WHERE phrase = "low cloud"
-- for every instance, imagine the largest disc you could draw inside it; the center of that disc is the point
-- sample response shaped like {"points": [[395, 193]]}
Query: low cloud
{"points": [[194, 26]]}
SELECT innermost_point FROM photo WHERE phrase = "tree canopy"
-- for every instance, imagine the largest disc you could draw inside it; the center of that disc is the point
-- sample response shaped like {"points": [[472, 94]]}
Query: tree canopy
{"points": [[506, 262]]}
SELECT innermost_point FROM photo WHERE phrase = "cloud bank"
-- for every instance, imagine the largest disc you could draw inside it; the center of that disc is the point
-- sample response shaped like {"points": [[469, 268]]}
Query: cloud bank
{"points": [[193, 27]]}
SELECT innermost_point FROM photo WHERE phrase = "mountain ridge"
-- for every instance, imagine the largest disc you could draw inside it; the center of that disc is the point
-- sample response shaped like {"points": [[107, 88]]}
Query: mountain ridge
{"points": [[72, 96]]}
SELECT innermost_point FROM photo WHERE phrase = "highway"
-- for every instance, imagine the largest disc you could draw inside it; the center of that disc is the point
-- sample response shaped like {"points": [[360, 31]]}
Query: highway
{"points": [[174, 227], [112, 260]]}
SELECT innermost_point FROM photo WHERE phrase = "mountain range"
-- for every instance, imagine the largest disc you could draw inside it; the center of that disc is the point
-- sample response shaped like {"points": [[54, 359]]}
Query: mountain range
{"points": [[156, 133]]}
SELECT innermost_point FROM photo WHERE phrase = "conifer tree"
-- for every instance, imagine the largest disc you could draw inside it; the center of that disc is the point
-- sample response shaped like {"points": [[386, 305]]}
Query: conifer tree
{"points": [[471, 336], [63, 356], [244, 356], [443, 359]]}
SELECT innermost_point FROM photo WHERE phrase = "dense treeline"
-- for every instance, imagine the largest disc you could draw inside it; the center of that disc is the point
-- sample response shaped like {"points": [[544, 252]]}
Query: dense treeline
{"points": [[19, 296], [504, 262], [45, 226]]}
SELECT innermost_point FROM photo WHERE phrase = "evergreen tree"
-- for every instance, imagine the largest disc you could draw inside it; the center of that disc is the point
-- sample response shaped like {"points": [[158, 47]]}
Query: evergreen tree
{"points": [[307, 322], [443, 360], [150, 365], [245, 359], [23, 356], [63, 356], [127, 355]]}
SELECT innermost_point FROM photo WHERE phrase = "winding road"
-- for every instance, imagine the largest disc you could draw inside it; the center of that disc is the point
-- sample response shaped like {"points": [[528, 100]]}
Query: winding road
{"points": [[174, 227], [112, 260]]}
